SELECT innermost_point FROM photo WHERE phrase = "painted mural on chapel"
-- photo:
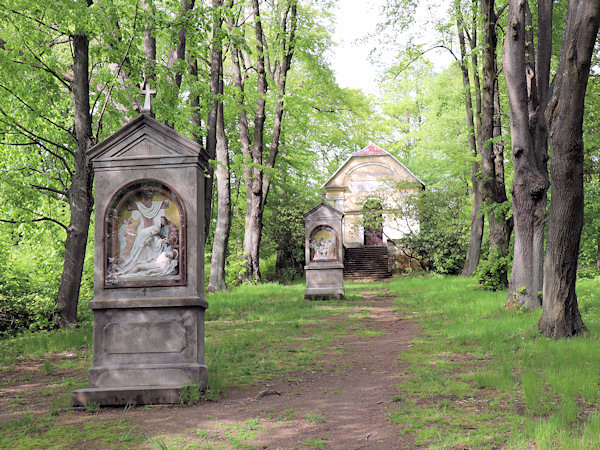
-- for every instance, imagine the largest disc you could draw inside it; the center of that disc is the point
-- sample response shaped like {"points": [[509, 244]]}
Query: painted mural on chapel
{"points": [[145, 237]]}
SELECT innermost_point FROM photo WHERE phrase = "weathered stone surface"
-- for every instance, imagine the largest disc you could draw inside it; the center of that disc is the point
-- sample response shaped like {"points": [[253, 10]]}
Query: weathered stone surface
{"points": [[137, 395], [175, 375], [148, 317], [166, 335], [324, 252]]}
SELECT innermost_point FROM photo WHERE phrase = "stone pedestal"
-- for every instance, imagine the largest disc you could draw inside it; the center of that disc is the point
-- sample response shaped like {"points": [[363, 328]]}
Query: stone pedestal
{"points": [[324, 253], [149, 267]]}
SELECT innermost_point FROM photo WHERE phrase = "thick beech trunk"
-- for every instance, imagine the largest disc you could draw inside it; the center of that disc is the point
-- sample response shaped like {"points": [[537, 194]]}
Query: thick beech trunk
{"points": [[564, 114], [253, 225], [492, 180], [527, 80], [477, 221], [80, 192]]}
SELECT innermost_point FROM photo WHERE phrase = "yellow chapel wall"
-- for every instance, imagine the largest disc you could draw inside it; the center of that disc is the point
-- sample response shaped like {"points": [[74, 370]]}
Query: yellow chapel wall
{"points": [[364, 177]]}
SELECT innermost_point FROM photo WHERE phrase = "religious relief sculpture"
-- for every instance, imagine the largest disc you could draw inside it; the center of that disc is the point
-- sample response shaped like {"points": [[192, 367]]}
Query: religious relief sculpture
{"points": [[323, 244], [144, 237]]}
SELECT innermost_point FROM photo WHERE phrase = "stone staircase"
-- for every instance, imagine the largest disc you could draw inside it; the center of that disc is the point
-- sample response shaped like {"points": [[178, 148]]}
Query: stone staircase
{"points": [[369, 262]]}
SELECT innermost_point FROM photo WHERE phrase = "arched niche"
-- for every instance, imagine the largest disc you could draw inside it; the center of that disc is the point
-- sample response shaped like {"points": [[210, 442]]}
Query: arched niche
{"points": [[323, 243], [145, 236]]}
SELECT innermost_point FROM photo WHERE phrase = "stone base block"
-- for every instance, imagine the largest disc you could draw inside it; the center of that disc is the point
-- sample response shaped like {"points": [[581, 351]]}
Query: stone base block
{"points": [[132, 395], [147, 375], [324, 293], [325, 280], [120, 395]]}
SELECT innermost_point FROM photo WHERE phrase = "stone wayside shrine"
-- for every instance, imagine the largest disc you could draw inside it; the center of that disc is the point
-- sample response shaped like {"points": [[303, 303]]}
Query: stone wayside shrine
{"points": [[148, 267], [324, 252]]}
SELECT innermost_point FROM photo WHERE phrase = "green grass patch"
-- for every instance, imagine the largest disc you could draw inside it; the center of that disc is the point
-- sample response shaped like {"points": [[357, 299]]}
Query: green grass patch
{"points": [[481, 376], [316, 418], [252, 333], [39, 344], [261, 332]]}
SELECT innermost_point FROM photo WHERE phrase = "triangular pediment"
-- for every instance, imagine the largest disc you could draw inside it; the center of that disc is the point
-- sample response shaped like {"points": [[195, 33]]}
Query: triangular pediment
{"points": [[322, 211], [375, 160], [144, 138]]}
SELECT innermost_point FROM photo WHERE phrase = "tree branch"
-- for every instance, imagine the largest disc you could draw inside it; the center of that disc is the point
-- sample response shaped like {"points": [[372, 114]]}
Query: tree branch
{"points": [[30, 134], [46, 190], [39, 219], [422, 53], [24, 103], [99, 123]]}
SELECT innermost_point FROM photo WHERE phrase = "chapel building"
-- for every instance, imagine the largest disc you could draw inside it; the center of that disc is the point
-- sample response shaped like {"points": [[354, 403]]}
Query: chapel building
{"points": [[368, 189]]}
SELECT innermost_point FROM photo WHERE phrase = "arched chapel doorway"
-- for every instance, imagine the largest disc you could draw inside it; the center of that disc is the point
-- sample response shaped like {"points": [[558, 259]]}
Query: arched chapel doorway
{"points": [[373, 222]]}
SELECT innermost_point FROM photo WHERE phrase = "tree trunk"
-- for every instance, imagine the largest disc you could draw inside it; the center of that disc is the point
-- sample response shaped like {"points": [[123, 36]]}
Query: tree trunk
{"points": [[80, 192], [245, 143], [211, 138], [257, 181], [149, 49], [493, 186], [221, 237], [477, 221], [178, 53], [253, 230], [527, 91], [564, 114]]}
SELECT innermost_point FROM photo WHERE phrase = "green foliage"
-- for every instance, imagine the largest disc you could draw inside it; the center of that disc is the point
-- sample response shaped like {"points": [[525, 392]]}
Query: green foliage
{"points": [[543, 390], [284, 232], [492, 271], [28, 312], [442, 237], [190, 394], [589, 252]]}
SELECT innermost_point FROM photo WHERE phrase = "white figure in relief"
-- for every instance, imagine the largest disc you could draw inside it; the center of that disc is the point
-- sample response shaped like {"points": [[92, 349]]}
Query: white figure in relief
{"points": [[163, 265], [322, 248], [143, 251]]}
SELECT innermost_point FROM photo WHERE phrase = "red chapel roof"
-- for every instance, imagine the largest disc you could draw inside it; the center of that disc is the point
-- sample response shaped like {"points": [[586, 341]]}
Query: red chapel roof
{"points": [[371, 150]]}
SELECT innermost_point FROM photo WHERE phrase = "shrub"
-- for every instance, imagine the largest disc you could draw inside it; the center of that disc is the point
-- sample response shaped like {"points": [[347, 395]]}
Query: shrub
{"points": [[491, 273], [26, 312]]}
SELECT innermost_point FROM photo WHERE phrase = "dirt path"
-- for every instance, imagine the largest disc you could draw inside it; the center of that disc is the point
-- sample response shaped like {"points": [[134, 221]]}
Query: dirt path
{"points": [[342, 406]]}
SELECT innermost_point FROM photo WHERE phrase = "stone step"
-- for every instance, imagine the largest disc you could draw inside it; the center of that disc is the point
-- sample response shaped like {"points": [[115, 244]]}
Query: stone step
{"points": [[369, 262]]}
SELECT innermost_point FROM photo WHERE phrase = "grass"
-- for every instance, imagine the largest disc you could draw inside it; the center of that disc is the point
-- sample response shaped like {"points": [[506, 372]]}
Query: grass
{"points": [[481, 376], [477, 376], [38, 345], [261, 332], [253, 333], [316, 418]]}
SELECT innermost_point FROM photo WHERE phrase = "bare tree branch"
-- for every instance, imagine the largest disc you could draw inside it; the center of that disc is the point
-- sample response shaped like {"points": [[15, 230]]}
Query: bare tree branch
{"points": [[406, 66], [39, 219]]}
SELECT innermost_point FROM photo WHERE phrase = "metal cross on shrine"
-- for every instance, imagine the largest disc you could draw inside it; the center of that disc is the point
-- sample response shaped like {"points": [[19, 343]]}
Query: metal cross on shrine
{"points": [[147, 108]]}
